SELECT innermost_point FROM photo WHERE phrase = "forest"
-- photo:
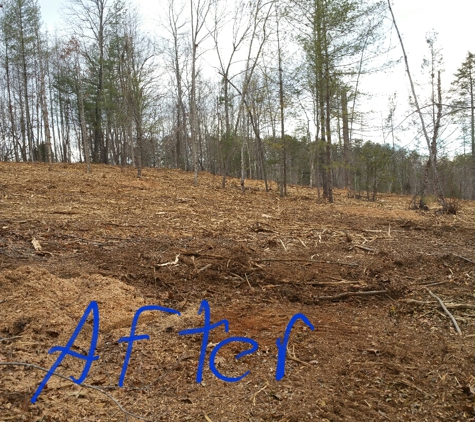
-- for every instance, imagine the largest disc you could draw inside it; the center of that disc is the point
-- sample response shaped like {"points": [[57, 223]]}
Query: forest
{"points": [[266, 90]]}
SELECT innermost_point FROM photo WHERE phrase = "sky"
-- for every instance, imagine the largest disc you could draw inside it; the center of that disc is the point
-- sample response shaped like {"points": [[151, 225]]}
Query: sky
{"points": [[452, 20]]}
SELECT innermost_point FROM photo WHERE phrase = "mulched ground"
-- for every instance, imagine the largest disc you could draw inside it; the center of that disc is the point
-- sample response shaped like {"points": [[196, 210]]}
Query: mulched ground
{"points": [[382, 348]]}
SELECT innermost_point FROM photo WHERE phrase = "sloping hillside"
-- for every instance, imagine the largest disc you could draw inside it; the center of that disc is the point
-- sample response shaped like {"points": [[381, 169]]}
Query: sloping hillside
{"points": [[361, 273]]}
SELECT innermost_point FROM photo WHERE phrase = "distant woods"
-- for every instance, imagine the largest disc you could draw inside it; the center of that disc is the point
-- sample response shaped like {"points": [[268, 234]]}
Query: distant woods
{"points": [[257, 89]]}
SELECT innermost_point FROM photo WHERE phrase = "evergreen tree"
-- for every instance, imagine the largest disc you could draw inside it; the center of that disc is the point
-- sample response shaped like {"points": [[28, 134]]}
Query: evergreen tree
{"points": [[464, 85], [21, 26]]}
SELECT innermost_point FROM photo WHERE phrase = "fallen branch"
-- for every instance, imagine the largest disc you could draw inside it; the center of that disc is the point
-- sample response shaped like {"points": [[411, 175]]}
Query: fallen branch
{"points": [[434, 284], [92, 387], [9, 338], [412, 385], [306, 260], [447, 305], [283, 245], [351, 294], [296, 359], [463, 258], [169, 263], [238, 276], [255, 395], [332, 283], [201, 255], [245, 275], [363, 248], [457, 328], [203, 268]]}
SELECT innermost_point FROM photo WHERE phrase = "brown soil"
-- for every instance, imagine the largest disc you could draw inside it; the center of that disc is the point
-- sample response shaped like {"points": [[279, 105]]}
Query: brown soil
{"points": [[68, 238]]}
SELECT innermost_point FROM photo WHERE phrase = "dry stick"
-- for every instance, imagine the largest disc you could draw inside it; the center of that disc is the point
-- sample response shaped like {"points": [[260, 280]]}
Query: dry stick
{"points": [[203, 268], [201, 255], [363, 248], [306, 260], [350, 294], [9, 338], [332, 283], [169, 263], [255, 395], [295, 358], [30, 365], [447, 305], [434, 284], [248, 282], [238, 276], [465, 259], [446, 311], [285, 249]]}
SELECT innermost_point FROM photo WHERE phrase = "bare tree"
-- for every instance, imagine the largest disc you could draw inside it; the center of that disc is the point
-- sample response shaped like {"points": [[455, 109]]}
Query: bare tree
{"points": [[260, 13], [177, 61], [43, 99], [241, 30], [432, 156], [199, 10]]}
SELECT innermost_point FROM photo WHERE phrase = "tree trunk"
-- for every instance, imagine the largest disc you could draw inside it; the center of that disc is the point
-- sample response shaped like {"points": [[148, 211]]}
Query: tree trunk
{"points": [[282, 126], [193, 117], [44, 105], [29, 129], [472, 130], [438, 186], [346, 140], [85, 146], [24, 149], [10, 106]]}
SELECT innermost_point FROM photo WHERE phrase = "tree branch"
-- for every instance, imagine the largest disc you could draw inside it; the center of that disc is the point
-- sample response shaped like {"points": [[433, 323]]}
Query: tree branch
{"points": [[351, 294], [446, 311]]}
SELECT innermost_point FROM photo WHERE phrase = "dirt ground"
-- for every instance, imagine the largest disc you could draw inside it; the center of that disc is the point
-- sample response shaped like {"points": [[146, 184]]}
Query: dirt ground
{"points": [[382, 348]]}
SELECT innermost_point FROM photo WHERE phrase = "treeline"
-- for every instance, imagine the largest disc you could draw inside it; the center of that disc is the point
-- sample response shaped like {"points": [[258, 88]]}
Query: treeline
{"points": [[251, 89]]}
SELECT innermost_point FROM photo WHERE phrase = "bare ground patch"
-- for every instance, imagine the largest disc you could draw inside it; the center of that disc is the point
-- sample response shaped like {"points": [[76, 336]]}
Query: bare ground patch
{"points": [[67, 238]]}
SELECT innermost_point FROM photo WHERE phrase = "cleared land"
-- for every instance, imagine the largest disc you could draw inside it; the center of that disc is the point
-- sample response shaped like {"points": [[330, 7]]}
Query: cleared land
{"points": [[67, 238]]}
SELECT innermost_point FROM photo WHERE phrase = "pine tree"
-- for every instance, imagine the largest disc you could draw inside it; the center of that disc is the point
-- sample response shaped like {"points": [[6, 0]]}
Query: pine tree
{"points": [[21, 25], [464, 84]]}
